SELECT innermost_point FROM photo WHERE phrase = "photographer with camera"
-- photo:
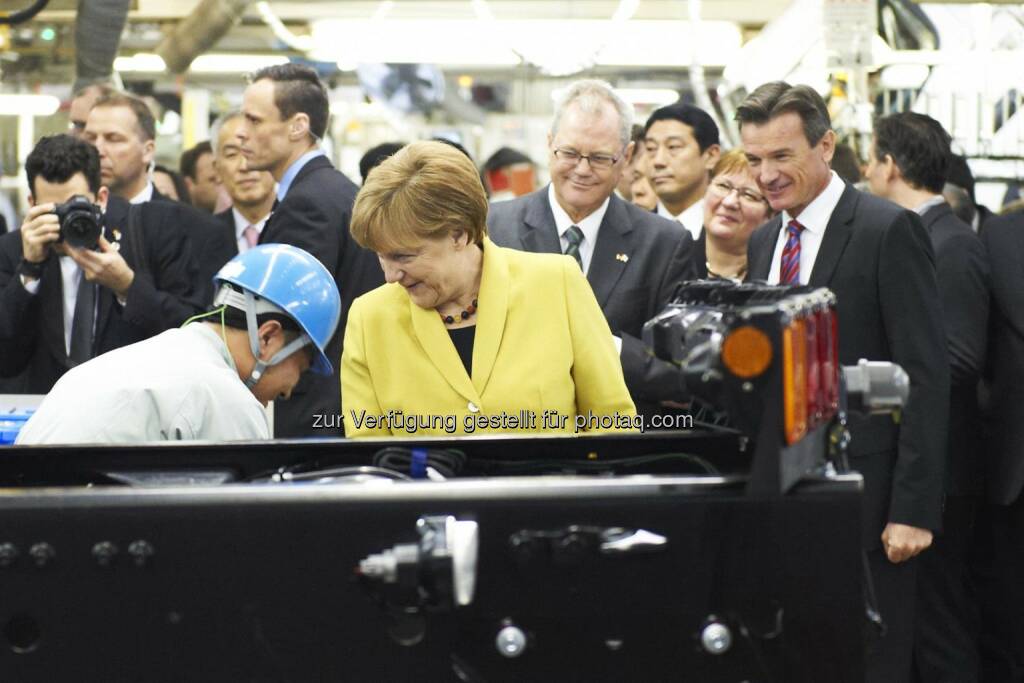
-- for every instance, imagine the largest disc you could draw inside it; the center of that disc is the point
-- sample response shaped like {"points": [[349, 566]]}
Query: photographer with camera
{"points": [[86, 273]]}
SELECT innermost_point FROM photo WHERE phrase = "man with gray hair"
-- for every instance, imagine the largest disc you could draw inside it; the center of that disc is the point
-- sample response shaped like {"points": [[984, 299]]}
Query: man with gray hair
{"points": [[252, 192], [632, 258]]}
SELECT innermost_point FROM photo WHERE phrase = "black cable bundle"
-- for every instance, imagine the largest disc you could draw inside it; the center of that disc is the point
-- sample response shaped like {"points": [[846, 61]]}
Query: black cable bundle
{"points": [[446, 462]]}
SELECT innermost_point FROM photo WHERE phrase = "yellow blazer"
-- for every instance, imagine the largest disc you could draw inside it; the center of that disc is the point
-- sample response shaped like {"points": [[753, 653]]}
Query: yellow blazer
{"points": [[541, 344]]}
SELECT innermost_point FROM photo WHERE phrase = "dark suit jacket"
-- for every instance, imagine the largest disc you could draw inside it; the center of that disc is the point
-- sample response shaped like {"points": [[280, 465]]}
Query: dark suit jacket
{"points": [[160, 296], [878, 260], [1004, 374], [700, 256], [226, 226], [216, 246], [315, 215], [212, 245], [638, 261], [962, 269]]}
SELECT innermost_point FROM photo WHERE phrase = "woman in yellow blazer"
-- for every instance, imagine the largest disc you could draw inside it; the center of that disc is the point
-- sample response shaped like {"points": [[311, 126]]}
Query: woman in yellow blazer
{"points": [[467, 337]]}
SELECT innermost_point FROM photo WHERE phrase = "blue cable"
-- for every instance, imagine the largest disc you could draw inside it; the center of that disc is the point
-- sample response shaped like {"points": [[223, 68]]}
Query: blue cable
{"points": [[418, 465]]}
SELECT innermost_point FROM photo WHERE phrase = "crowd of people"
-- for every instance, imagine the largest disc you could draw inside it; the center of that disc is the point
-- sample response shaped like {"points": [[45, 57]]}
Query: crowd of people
{"points": [[436, 302]]}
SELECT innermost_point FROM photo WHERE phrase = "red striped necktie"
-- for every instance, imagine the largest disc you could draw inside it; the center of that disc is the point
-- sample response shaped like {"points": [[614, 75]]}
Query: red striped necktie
{"points": [[789, 269]]}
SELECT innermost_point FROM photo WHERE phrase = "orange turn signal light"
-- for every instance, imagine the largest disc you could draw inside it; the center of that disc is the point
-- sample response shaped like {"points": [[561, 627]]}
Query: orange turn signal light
{"points": [[794, 380], [747, 352]]}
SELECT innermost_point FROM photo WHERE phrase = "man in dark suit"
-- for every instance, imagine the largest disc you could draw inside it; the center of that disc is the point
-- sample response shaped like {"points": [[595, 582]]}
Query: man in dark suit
{"points": [[680, 149], [633, 258], [200, 176], [285, 113], [123, 130], [251, 192], [908, 165], [878, 260], [60, 306], [1002, 527]]}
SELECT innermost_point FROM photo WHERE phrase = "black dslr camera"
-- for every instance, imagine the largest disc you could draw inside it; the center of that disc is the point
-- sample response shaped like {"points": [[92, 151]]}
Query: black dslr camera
{"points": [[81, 222]]}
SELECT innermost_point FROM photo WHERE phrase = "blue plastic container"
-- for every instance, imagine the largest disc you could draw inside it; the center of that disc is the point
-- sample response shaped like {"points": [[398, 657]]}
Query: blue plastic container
{"points": [[11, 424]]}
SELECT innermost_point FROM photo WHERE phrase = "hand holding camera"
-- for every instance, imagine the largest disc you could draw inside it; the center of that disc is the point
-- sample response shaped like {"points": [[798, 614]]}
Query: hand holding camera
{"points": [[40, 229], [76, 225], [105, 266]]}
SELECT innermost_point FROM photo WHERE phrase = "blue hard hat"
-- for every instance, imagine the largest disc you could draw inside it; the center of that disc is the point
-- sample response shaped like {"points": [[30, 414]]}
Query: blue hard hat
{"points": [[296, 282]]}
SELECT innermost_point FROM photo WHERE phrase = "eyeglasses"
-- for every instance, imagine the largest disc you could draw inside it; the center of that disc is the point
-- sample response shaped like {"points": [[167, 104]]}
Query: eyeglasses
{"points": [[723, 188], [571, 157]]}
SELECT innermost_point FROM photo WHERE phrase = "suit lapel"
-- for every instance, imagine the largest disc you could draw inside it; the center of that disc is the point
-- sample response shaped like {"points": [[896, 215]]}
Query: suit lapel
{"points": [[115, 228], [437, 344], [539, 233], [761, 258], [833, 242], [494, 284], [312, 165], [612, 251], [51, 312]]}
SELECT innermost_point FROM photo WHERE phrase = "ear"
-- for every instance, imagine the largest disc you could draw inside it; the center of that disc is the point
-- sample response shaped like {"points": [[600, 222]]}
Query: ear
{"points": [[216, 172], [828, 146], [299, 126], [271, 336], [102, 195], [148, 152], [890, 169], [711, 156], [457, 234], [630, 150]]}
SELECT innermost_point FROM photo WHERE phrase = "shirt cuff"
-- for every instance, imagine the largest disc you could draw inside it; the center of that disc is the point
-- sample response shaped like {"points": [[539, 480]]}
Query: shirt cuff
{"points": [[32, 287]]}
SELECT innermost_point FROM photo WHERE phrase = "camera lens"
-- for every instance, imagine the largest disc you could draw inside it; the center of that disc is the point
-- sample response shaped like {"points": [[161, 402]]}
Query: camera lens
{"points": [[80, 229]]}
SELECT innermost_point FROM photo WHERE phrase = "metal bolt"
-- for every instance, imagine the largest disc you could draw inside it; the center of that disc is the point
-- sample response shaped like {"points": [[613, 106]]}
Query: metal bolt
{"points": [[747, 386], [613, 644], [511, 641], [42, 553], [140, 551], [104, 553], [716, 638], [8, 554]]}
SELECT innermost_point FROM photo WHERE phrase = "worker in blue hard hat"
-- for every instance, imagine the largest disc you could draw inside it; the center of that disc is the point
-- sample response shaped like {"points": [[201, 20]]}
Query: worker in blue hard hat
{"points": [[274, 311]]}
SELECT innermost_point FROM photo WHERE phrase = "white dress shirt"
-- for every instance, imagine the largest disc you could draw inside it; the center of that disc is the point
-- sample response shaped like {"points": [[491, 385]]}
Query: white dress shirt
{"points": [[934, 200], [815, 219], [691, 218], [241, 223], [70, 274], [588, 225], [144, 196]]}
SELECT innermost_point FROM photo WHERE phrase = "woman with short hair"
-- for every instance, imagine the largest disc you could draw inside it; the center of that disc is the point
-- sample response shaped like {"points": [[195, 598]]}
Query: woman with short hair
{"points": [[733, 208], [466, 336]]}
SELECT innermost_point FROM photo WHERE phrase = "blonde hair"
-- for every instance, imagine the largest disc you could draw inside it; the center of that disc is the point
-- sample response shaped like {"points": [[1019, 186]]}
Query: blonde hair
{"points": [[733, 161], [424, 191]]}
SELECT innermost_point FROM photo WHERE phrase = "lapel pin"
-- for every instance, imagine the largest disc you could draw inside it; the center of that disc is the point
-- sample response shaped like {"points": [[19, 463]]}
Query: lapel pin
{"points": [[622, 257], [117, 235]]}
